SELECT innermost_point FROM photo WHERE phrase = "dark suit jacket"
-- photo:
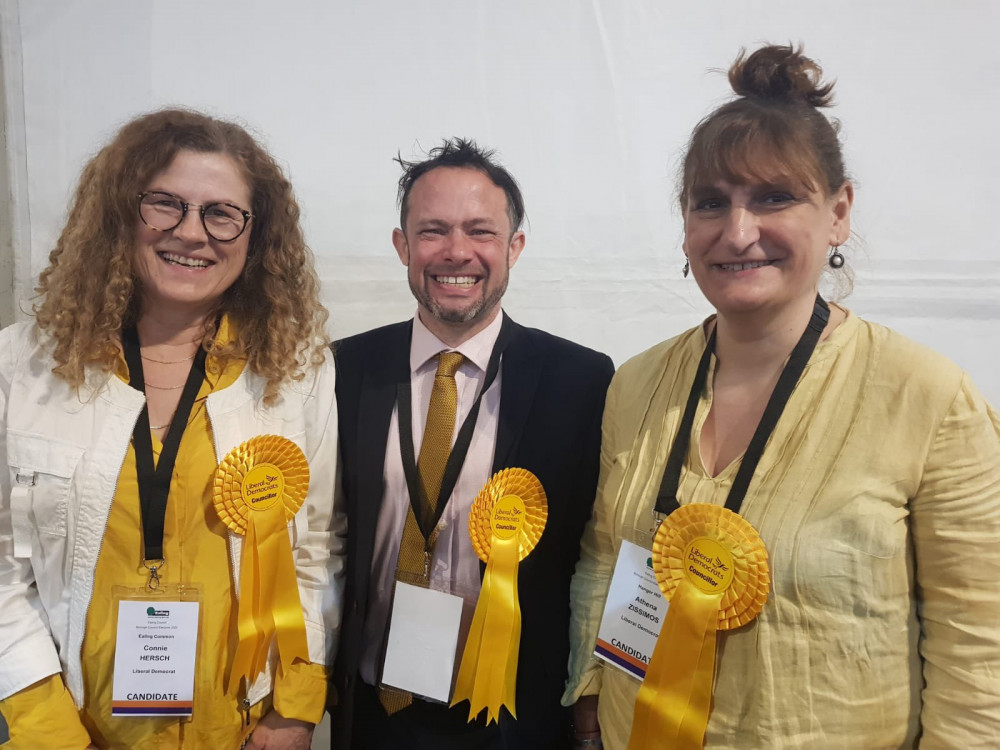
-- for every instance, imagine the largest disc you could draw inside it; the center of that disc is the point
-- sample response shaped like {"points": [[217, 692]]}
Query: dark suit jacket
{"points": [[551, 403]]}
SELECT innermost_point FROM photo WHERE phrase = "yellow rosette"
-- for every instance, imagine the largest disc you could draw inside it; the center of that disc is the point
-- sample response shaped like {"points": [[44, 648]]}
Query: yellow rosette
{"points": [[505, 524], [711, 566], [259, 486]]}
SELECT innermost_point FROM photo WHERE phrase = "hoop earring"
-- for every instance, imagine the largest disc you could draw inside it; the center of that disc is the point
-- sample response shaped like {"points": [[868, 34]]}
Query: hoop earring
{"points": [[687, 267], [836, 259]]}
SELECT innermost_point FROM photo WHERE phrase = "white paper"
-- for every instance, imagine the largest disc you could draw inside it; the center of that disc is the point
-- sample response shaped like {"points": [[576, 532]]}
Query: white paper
{"points": [[423, 637], [155, 658], [633, 613]]}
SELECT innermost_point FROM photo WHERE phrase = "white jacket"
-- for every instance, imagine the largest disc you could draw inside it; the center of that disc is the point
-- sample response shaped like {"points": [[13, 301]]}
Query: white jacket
{"points": [[65, 449]]}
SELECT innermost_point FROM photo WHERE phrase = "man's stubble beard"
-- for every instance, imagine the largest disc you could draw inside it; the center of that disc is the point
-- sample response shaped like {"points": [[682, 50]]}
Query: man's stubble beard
{"points": [[477, 309]]}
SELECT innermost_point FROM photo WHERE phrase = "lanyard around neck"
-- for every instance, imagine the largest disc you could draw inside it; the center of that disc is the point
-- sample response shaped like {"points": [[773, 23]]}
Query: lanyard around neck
{"points": [[666, 499], [426, 516], [154, 482]]}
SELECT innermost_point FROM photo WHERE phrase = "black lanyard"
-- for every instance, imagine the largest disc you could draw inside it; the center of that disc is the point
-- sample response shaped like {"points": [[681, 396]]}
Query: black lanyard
{"points": [[427, 518], [666, 499], [154, 483]]}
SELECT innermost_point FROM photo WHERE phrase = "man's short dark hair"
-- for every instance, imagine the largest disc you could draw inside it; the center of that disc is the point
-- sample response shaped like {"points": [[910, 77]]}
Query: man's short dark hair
{"points": [[466, 154]]}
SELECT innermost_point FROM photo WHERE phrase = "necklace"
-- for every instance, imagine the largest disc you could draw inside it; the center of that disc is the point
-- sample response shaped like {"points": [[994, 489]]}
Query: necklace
{"points": [[168, 361], [160, 426], [163, 387]]}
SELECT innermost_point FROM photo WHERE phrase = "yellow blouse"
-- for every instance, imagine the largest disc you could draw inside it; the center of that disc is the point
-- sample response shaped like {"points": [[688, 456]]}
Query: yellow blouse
{"points": [[196, 550], [878, 498]]}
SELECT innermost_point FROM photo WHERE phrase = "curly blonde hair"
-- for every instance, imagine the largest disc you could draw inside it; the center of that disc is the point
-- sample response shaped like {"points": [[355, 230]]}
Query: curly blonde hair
{"points": [[89, 288]]}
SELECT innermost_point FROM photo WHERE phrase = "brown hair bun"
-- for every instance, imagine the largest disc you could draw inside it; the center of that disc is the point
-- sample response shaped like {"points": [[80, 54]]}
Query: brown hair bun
{"points": [[780, 73]]}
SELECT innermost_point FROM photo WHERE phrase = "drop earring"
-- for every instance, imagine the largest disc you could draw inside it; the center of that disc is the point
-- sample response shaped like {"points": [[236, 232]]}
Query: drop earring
{"points": [[836, 259], [687, 267]]}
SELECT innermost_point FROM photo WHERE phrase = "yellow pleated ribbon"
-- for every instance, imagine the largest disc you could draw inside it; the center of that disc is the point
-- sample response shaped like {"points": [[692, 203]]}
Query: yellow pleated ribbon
{"points": [[259, 487], [712, 567], [505, 524]]}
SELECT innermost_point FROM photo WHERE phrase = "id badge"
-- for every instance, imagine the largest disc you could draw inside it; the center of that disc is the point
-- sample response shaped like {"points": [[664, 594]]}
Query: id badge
{"points": [[422, 642], [156, 650], [633, 612]]}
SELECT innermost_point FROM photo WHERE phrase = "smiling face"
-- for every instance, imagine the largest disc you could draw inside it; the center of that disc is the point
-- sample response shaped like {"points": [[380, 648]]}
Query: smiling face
{"points": [[458, 248], [184, 269], [761, 245]]}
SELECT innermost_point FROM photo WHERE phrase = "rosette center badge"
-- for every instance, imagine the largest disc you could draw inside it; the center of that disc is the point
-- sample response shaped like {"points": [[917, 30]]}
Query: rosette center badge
{"points": [[507, 517], [709, 565], [263, 487]]}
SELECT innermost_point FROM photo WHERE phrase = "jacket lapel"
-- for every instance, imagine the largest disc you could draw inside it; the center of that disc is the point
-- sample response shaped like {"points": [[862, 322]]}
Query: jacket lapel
{"points": [[522, 367], [377, 399]]}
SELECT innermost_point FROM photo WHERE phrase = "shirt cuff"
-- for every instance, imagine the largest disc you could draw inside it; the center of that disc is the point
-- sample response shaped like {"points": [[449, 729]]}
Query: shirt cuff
{"points": [[43, 715], [588, 683], [300, 692]]}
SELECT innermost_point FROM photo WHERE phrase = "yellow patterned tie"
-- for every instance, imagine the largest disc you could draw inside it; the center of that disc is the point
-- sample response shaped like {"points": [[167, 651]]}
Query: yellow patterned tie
{"points": [[412, 566]]}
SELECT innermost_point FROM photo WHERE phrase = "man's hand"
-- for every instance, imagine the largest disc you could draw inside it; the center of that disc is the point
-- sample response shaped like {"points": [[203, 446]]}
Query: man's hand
{"points": [[275, 732]]}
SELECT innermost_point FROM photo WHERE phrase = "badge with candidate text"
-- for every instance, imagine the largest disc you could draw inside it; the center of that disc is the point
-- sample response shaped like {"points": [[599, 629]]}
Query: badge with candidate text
{"points": [[259, 487], [505, 524], [155, 651], [633, 612]]}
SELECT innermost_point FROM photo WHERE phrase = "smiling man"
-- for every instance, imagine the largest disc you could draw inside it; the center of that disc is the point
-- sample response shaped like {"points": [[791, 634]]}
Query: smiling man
{"points": [[530, 400]]}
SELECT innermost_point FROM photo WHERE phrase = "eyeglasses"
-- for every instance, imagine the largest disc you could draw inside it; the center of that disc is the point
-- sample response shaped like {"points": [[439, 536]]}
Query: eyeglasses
{"points": [[222, 221]]}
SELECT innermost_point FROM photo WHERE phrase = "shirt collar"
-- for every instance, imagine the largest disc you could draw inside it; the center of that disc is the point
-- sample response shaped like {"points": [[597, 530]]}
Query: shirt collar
{"points": [[424, 345]]}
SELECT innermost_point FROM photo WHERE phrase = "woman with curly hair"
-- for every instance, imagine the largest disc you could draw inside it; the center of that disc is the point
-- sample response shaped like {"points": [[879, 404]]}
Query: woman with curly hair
{"points": [[817, 496], [177, 368]]}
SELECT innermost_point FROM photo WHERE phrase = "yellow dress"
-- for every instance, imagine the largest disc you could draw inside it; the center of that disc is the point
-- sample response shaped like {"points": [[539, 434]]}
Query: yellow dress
{"points": [[44, 716], [878, 497]]}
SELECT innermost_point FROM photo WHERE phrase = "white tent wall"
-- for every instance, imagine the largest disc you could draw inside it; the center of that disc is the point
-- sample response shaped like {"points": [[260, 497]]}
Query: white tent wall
{"points": [[588, 103]]}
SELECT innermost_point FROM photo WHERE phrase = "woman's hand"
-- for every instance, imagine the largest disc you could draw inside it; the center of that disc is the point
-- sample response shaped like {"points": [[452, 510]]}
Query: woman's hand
{"points": [[586, 729], [275, 732]]}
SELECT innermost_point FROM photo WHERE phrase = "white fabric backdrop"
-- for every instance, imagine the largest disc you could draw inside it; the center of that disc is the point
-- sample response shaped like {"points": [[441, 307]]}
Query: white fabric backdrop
{"points": [[589, 104]]}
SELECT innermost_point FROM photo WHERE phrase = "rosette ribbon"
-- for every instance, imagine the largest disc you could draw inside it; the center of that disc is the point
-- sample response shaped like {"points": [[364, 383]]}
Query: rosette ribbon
{"points": [[259, 486], [711, 565], [505, 524]]}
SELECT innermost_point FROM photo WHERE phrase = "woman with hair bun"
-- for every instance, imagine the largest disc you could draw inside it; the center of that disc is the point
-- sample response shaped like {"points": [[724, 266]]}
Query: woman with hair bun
{"points": [[170, 553], [817, 496]]}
